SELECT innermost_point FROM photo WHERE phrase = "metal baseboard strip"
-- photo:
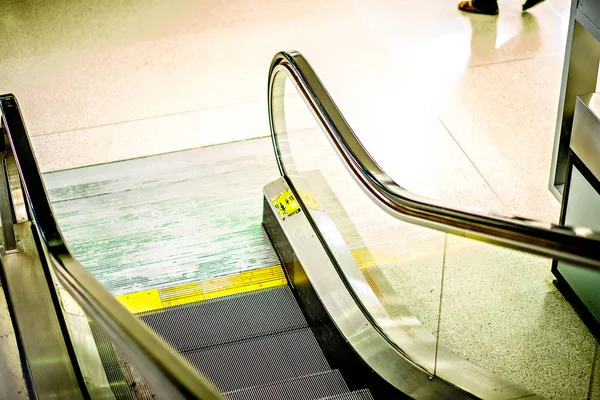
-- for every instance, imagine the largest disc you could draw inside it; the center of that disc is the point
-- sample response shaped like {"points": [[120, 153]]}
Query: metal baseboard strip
{"points": [[38, 326], [12, 377], [260, 361], [326, 384], [227, 319]]}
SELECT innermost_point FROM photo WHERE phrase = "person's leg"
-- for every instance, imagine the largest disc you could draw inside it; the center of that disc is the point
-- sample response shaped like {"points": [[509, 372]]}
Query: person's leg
{"points": [[530, 3], [489, 7]]}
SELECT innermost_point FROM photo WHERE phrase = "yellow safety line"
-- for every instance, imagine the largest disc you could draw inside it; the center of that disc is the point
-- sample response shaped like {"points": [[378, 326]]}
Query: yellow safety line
{"points": [[137, 302], [246, 281]]}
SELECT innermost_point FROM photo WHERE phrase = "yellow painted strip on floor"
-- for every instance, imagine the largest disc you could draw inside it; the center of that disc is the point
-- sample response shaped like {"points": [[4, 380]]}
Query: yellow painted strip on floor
{"points": [[147, 300], [156, 299]]}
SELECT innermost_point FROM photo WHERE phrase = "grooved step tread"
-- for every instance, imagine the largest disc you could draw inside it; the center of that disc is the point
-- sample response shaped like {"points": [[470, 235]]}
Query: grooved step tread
{"points": [[317, 386], [260, 361], [227, 319]]}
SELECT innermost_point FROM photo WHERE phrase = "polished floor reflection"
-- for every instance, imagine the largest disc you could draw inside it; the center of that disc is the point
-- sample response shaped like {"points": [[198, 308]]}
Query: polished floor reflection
{"points": [[454, 106], [121, 80]]}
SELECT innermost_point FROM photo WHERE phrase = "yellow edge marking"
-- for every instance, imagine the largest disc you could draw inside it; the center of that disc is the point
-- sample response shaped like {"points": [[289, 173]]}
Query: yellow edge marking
{"points": [[156, 299], [138, 302]]}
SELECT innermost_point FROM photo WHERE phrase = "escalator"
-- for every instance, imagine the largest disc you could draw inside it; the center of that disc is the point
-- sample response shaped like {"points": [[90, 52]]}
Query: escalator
{"points": [[329, 325], [263, 331]]}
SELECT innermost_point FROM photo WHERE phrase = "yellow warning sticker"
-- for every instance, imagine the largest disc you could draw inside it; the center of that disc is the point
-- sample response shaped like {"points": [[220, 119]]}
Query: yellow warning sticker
{"points": [[286, 204]]}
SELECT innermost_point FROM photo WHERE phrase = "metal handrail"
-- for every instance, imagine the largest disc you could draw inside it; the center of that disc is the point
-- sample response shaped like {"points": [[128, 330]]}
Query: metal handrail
{"points": [[165, 370], [577, 245]]}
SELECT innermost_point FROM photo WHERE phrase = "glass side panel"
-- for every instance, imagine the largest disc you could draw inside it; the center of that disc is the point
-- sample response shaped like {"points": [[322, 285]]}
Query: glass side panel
{"points": [[486, 319], [501, 311], [400, 263]]}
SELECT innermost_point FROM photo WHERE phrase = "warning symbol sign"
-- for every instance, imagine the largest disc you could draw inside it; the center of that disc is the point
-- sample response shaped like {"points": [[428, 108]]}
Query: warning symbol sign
{"points": [[286, 204]]}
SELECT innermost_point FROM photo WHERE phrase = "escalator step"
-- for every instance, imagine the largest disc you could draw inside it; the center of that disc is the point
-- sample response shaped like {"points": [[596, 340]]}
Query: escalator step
{"points": [[317, 386], [363, 394], [260, 361], [227, 319]]}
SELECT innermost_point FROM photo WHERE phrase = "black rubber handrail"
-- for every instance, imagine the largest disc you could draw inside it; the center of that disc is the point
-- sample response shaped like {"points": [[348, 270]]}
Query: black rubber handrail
{"points": [[576, 245], [168, 373]]}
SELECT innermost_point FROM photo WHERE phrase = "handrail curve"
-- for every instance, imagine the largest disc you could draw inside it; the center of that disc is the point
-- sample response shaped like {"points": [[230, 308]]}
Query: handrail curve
{"points": [[577, 245], [169, 374]]}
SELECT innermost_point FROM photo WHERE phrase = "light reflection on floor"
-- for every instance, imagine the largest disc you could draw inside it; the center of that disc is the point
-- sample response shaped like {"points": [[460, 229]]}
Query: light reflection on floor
{"points": [[422, 86]]}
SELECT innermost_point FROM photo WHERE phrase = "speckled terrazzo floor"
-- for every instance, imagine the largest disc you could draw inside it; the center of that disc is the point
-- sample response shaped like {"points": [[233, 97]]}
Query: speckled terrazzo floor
{"points": [[169, 219]]}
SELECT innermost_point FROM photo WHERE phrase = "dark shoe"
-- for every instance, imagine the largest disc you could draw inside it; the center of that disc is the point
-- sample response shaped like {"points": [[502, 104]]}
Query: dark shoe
{"points": [[531, 3], [467, 6]]}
